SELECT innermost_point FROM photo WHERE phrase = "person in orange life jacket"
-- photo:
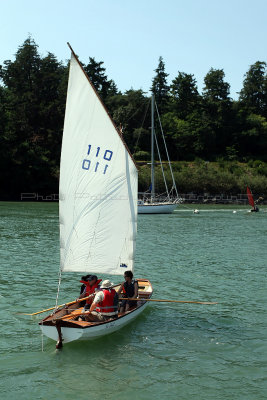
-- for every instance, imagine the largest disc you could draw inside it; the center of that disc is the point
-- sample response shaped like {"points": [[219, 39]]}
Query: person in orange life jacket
{"points": [[84, 278], [105, 304], [83, 286], [91, 285], [130, 290]]}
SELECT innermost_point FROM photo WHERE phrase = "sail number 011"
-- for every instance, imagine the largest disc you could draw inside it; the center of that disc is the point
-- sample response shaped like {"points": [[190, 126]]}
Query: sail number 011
{"points": [[87, 164]]}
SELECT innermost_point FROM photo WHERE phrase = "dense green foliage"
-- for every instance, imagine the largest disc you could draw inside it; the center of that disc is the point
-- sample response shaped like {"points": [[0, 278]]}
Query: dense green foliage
{"points": [[206, 126], [219, 177]]}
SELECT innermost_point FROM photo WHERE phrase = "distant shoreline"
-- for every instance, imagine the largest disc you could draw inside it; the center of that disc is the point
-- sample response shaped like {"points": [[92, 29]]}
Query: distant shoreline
{"points": [[187, 198]]}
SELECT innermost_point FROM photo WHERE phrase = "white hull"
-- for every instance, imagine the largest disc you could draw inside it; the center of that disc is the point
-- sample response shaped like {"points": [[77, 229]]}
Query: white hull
{"points": [[91, 332], [156, 208]]}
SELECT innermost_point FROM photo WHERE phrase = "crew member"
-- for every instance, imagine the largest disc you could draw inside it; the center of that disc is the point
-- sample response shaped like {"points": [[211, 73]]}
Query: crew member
{"points": [[105, 304], [130, 291], [92, 284]]}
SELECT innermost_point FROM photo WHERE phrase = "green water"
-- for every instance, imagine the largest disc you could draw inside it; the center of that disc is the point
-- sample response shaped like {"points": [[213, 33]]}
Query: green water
{"points": [[172, 351]]}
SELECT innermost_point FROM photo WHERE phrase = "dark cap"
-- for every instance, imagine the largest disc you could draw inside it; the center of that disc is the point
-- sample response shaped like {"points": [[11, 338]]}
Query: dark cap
{"points": [[92, 277], [86, 277]]}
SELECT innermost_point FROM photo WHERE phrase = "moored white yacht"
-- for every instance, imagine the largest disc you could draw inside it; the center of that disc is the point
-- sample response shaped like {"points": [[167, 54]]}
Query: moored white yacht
{"points": [[150, 203]]}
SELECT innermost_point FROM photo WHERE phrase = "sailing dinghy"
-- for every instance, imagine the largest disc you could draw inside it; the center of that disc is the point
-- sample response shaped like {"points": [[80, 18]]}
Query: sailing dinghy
{"points": [[97, 206]]}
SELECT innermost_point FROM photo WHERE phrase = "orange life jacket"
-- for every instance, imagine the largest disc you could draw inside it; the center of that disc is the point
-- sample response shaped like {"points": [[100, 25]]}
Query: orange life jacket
{"points": [[90, 289], [110, 302]]}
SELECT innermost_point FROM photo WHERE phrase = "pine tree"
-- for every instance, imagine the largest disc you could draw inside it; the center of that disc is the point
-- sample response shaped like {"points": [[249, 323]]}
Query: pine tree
{"points": [[253, 95], [160, 87], [184, 96], [97, 75]]}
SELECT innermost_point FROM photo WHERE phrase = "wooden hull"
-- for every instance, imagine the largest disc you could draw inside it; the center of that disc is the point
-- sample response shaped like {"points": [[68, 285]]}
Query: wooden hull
{"points": [[156, 208], [80, 330]]}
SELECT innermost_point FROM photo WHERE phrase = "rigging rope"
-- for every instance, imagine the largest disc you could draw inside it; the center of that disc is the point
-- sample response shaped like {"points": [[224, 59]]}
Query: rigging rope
{"points": [[59, 282], [161, 165], [138, 137], [173, 180]]}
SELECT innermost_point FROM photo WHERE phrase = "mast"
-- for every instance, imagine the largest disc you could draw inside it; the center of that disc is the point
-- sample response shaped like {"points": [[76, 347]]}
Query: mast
{"points": [[152, 146]]}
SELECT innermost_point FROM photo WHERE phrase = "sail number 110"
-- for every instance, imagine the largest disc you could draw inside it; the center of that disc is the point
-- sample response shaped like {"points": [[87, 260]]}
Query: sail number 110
{"points": [[97, 166]]}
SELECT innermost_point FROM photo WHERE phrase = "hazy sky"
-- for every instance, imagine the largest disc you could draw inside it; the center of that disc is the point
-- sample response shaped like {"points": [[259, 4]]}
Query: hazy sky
{"points": [[192, 36]]}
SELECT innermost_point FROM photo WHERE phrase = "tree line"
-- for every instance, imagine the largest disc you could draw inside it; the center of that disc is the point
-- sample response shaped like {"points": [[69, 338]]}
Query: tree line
{"points": [[206, 126]]}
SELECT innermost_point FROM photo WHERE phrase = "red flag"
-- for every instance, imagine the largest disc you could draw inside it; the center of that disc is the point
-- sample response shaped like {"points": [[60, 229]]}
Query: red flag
{"points": [[250, 197]]}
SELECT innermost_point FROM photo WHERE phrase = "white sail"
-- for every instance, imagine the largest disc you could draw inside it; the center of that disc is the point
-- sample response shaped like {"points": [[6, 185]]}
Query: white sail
{"points": [[98, 186]]}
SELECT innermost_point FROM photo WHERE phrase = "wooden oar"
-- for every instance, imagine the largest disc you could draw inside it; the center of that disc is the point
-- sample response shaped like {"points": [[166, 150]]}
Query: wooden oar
{"points": [[123, 298], [61, 305], [142, 299], [66, 304], [171, 301]]}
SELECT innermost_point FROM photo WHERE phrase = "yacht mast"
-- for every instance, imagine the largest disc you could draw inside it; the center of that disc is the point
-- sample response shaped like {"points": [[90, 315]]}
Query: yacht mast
{"points": [[152, 147]]}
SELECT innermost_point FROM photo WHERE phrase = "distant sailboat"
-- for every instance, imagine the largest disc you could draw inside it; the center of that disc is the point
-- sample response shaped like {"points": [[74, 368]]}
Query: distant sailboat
{"points": [[150, 204], [97, 206], [251, 201]]}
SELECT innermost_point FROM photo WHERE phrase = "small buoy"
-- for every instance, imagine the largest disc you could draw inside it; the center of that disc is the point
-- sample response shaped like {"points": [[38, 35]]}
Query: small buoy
{"points": [[196, 211], [234, 212]]}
